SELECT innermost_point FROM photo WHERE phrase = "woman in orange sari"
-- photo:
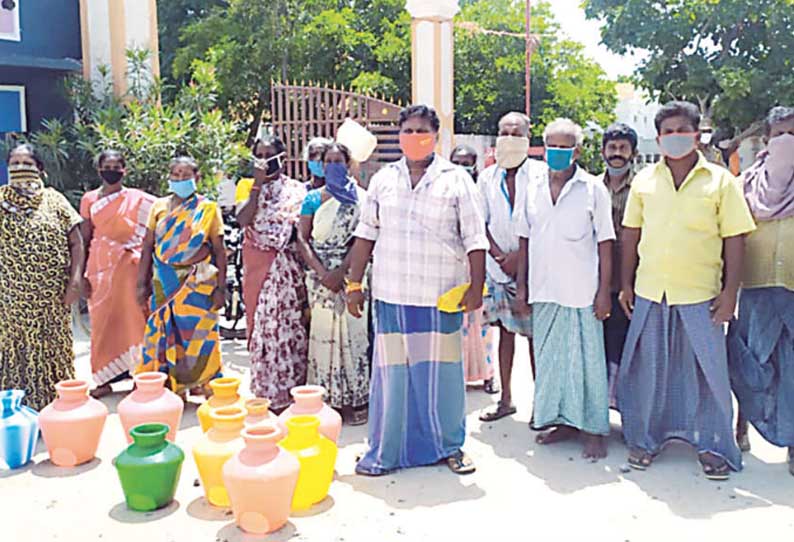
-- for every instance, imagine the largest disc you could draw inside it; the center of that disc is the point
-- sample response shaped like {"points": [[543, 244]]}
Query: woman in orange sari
{"points": [[114, 224]]}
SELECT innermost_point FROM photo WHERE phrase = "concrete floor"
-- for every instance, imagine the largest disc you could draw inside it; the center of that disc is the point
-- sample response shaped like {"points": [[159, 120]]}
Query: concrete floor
{"points": [[521, 491]]}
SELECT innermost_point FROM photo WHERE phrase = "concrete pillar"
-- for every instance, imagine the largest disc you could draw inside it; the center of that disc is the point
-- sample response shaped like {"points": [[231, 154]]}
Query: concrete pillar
{"points": [[109, 29], [433, 62]]}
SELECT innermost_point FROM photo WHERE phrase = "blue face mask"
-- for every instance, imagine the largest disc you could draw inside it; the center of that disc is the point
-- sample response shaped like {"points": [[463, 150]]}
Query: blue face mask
{"points": [[339, 185], [559, 159], [316, 168], [183, 189]]}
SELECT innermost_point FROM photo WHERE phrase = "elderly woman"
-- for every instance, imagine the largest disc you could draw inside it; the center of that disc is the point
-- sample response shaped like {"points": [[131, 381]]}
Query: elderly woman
{"points": [[114, 224], [274, 292], [313, 156], [41, 265], [338, 342], [760, 352], [181, 283]]}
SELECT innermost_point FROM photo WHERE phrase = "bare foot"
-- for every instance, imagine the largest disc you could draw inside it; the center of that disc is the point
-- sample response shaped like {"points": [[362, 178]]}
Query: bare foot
{"points": [[595, 447], [558, 434]]}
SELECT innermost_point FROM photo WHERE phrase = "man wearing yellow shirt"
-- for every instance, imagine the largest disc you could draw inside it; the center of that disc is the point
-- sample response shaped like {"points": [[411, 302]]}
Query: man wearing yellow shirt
{"points": [[685, 224]]}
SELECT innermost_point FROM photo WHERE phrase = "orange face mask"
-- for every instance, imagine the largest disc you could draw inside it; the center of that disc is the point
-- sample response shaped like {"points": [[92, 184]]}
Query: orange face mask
{"points": [[417, 147]]}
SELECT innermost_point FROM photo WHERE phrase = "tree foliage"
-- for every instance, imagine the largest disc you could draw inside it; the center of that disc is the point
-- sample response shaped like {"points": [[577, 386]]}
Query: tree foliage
{"points": [[490, 71], [733, 57], [366, 45], [147, 131]]}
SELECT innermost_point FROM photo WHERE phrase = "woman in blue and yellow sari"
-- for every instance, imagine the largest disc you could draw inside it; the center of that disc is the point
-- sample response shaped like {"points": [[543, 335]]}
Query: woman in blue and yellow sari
{"points": [[181, 282]]}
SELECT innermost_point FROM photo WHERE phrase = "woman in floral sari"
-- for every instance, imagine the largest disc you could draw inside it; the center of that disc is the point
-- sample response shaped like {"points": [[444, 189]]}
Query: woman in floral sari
{"points": [[338, 342], [182, 280], [273, 280], [114, 224]]}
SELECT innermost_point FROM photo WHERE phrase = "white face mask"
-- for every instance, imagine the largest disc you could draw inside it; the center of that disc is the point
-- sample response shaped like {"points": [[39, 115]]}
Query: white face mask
{"points": [[706, 137], [511, 151]]}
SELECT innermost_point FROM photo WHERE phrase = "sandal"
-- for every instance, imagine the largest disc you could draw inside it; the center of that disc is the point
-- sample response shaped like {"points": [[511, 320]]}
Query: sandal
{"points": [[358, 417], [791, 461], [718, 472], [640, 459], [101, 391], [502, 411], [460, 463], [489, 388]]}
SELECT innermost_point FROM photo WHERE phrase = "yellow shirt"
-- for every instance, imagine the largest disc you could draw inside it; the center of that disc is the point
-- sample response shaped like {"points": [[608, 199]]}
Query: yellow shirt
{"points": [[769, 258], [682, 230], [160, 209]]}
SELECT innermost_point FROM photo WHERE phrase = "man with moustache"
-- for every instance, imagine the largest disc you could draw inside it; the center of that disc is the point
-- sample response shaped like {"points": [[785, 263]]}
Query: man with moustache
{"points": [[618, 148]]}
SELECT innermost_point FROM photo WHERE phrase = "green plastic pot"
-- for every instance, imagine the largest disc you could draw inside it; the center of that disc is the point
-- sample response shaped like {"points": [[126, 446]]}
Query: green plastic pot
{"points": [[149, 468]]}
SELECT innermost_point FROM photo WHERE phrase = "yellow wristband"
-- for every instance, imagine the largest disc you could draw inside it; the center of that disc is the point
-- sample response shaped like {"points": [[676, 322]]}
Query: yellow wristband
{"points": [[354, 287]]}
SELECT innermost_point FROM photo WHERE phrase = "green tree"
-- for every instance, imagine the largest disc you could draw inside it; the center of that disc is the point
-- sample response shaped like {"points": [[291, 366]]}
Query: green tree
{"points": [[490, 70], [147, 131], [732, 57]]}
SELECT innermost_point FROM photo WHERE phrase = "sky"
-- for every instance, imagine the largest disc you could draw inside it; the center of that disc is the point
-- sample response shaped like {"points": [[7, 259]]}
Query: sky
{"points": [[572, 19]]}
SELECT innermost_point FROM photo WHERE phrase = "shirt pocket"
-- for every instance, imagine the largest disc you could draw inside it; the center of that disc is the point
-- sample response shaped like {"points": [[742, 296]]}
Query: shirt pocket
{"points": [[700, 214], [576, 226]]}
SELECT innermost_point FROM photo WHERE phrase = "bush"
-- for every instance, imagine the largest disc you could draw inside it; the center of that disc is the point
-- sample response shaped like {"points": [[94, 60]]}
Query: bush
{"points": [[148, 132]]}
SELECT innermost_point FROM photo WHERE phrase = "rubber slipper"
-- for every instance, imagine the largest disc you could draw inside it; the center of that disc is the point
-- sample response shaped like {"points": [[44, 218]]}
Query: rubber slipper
{"points": [[489, 388], [502, 411], [719, 472], [640, 460], [460, 463]]}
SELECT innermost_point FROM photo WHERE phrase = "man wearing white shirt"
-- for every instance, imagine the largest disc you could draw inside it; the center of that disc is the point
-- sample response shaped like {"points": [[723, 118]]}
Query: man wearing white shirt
{"points": [[503, 187], [565, 267]]}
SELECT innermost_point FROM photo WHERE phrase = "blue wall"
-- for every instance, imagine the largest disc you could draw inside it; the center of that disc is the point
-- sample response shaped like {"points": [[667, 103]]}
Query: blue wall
{"points": [[49, 28]]}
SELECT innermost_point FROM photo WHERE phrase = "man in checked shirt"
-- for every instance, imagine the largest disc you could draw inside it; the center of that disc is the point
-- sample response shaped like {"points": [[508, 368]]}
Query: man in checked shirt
{"points": [[423, 224]]}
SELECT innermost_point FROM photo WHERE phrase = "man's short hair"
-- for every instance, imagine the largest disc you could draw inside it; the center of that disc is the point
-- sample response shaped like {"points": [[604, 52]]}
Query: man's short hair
{"points": [[421, 112], [519, 116], [619, 131], [564, 126], [677, 109]]}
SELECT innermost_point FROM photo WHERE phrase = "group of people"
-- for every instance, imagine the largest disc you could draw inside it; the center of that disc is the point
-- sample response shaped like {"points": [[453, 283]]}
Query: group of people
{"points": [[622, 284]]}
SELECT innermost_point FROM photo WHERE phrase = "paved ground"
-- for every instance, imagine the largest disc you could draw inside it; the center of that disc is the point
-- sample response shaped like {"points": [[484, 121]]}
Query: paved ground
{"points": [[521, 491]]}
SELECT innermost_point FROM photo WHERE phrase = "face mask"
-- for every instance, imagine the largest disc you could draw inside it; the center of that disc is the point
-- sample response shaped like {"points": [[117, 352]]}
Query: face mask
{"points": [[271, 165], [618, 171], [417, 147], [339, 185], [316, 168], [780, 161], [336, 174], [183, 189], [677, 146], [111, 176], [558, 158], [25, 179], [705, 138], [471, 170], [511, 151]]}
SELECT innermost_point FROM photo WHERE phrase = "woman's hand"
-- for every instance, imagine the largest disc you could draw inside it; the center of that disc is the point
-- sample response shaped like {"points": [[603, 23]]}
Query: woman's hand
{"points": [[602, 305], [334, 280], [219, 298], [72, 293], [85, 289], [142, 295]]}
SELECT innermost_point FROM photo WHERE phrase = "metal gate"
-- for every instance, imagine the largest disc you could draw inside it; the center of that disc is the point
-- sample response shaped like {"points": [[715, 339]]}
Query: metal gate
{"points": [[300, 112]]}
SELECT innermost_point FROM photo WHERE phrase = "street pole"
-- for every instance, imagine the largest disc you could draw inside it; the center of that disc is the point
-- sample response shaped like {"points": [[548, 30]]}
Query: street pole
{"points": [[529, 58]]}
